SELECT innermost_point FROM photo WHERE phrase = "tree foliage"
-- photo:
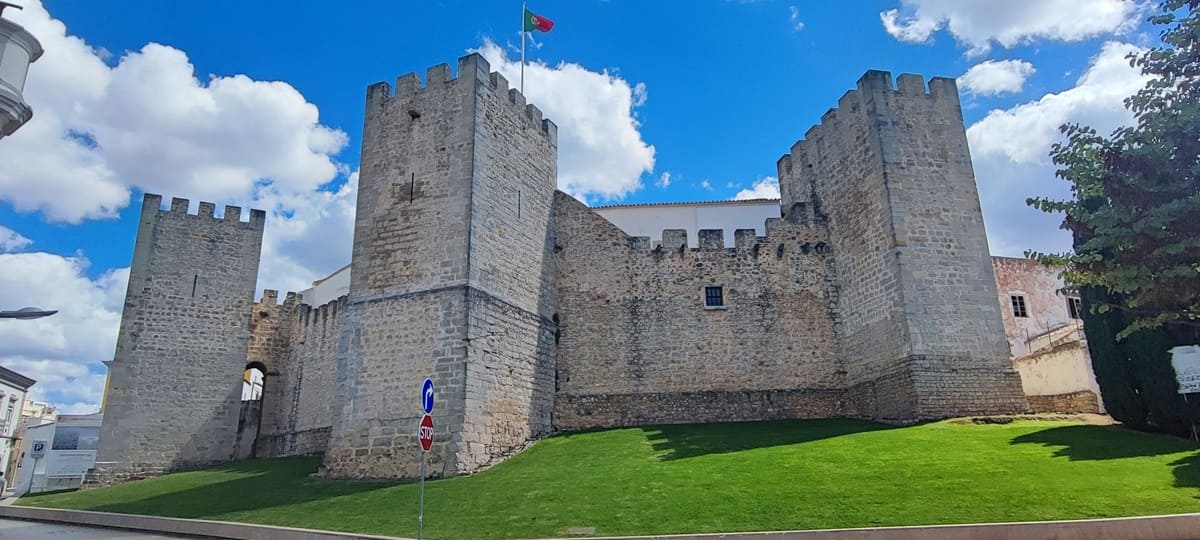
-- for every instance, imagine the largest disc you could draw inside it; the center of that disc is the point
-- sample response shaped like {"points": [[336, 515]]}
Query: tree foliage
{"points": [[1135, 209]]}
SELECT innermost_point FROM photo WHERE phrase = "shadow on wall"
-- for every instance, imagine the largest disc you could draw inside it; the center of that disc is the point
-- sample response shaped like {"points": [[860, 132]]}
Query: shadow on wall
{"points": [[694, 440], [1086, 443], [259, 484]]}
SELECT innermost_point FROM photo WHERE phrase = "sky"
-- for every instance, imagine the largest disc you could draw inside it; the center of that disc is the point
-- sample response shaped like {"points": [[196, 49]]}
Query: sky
{"points": [[259, 104]]}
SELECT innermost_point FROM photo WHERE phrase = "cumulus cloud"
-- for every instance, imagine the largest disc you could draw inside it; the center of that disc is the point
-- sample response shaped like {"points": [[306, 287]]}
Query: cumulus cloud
{"points": [[664, 179], [99, 133], [62, 352], [600, 148], [996, 77], [149, 123], [11, 240], [794, 18], [1010, 149], [763, 188], [978, 25]]}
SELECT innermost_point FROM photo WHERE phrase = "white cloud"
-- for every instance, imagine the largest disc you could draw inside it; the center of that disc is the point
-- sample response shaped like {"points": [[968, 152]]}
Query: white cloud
{"points": [[996, 77], [601, 153], [63, 351], [763, 188], [977, 24], [794, 18], [1010, 149], [307, 236], [706, 185], [11, 240], [664, 179], [148, 123]]}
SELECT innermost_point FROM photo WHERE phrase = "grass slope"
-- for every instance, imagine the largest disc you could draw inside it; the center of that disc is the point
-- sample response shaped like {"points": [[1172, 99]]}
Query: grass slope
{"points": [[713, 477]]}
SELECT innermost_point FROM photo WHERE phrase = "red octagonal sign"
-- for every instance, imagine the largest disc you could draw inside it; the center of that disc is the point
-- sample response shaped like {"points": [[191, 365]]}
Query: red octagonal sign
{"points": [[425, 432]]}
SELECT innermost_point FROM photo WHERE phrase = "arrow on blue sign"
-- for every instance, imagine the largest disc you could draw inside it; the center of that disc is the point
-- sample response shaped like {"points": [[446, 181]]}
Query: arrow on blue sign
{"points": [[427, 396]]}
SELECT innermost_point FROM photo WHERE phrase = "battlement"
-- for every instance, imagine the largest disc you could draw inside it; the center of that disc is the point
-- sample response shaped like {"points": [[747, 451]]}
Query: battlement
{"points": [[781, 236], [270, 297], [205, 210], [472, 68], [310, 315]]}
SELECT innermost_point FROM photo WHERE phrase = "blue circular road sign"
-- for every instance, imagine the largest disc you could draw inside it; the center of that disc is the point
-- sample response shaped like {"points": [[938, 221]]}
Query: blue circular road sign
{"points": [[427, 396]]}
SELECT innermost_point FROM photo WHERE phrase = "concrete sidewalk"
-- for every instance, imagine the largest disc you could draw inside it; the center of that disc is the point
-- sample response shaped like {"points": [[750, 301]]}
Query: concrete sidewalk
{"points": [[33, 530]]}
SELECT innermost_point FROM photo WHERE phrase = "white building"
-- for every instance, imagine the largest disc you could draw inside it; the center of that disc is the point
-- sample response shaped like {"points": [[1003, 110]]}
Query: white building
{"points": [[70, 444], [13, 387]]}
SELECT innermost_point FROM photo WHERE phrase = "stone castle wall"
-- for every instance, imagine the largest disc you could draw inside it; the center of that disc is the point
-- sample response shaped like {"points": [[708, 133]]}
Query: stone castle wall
{"points": [[175, 381], [510, 367], [637, 345], [298, 346], [871, 296], [916, 314], [447, 276]]}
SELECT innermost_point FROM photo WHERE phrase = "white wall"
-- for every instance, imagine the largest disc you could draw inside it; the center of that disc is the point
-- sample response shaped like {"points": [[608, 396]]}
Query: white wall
{"points": [[12, 398], [71, 451], [328, 289], [650, 220]]}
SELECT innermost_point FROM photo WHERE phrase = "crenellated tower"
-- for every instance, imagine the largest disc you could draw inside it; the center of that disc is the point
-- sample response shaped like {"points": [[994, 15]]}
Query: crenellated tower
{"points": [[451, 276], [175, 381], [917, 317]]}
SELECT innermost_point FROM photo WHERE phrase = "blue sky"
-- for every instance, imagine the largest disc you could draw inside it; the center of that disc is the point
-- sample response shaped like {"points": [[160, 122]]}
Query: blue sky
{"points": [[260, 104]]}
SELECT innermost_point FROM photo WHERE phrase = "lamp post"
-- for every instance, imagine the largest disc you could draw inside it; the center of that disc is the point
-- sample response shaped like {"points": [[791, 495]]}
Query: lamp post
{"points": [[27, 313], [18, 49]]}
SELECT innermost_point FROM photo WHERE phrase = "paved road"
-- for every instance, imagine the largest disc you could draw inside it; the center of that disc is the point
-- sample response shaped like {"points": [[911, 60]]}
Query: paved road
{"points": [[11, 529]]}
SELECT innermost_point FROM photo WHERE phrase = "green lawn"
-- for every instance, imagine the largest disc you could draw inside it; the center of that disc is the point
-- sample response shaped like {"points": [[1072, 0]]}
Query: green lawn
{"points": [[713, 477]]}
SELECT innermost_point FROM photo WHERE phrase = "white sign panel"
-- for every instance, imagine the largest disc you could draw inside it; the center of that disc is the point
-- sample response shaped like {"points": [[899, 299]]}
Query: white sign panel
{"points": [[1186, 361]]}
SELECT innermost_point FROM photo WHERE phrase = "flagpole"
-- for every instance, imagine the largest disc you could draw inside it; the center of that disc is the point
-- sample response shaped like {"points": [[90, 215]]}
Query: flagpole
{"points": [[522, 48]]}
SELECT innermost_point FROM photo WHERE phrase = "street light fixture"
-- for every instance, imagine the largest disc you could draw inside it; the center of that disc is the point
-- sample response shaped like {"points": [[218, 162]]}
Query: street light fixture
{"points": [[18, 49], [27, 313]]}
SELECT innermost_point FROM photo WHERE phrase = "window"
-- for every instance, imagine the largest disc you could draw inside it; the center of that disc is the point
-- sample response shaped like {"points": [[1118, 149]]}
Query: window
{"points": [[714, 297], [1074, 307], [1018, 305]]}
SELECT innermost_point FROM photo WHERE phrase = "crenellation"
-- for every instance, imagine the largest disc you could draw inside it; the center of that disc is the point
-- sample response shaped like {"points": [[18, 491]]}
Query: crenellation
{"points": [[674, 238], [206, 209], [516, 98], [499, 83], [911, 84], [874, 82], [179, 206], [712, 239], [233, 214], [438, 75]]}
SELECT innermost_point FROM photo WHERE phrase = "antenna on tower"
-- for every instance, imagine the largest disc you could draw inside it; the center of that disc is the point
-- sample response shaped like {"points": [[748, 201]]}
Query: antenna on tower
{"points": [[7, 5]]}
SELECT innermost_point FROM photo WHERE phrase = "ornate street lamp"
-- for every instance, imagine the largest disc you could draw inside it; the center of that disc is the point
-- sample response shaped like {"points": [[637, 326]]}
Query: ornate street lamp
{"points": [[27, 313], [18, 49]]}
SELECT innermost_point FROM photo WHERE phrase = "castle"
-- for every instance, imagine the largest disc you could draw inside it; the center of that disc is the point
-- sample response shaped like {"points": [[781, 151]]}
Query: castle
{"points": [[869, 294]]}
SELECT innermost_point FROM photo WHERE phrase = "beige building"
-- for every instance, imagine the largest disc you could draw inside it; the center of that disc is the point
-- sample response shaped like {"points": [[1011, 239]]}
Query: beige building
{"points": [[13, 387], [1042, 322]]}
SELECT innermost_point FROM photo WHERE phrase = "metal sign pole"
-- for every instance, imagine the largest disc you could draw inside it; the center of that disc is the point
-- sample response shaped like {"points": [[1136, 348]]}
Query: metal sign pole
{"points": [[421, 500]]}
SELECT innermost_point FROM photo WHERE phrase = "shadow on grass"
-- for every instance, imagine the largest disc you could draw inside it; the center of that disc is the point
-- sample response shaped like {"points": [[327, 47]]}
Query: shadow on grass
{"points": [[1080, 443], [692, 440], [266, 484]]}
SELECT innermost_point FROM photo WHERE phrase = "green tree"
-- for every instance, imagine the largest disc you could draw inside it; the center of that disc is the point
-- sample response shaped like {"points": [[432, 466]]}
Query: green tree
{"points": [[1135, 210]]}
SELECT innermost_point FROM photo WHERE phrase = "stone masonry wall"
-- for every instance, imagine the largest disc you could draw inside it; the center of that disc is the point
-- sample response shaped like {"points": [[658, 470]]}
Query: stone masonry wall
{"points": [[405, 313], [920, 328], [300, 381], [175, 381], [637, 345], [449, 251], [510, 351]]}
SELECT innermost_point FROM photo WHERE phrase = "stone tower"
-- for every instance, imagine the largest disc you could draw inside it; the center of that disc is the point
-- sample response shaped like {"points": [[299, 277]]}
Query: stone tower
{"points": [[917, 316], [450, 277], [175, 382]]}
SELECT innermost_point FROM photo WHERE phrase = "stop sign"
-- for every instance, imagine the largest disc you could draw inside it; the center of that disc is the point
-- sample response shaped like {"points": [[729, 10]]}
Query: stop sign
{"points": [[425, 432]]}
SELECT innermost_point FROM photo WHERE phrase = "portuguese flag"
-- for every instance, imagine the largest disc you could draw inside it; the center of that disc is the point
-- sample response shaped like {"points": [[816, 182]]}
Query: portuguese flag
{"points": [[533, 21]]}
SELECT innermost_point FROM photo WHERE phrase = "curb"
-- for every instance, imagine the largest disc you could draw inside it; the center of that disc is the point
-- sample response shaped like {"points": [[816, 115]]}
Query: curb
{"points": [[178, 526], [1169, 527]]}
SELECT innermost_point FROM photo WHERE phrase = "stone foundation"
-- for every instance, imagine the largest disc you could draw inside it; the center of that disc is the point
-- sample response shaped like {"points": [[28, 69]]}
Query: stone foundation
{"points": [[1084, 401]]}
